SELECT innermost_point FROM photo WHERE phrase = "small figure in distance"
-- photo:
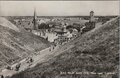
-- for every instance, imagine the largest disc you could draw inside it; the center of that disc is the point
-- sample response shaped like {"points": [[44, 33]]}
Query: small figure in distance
{"points": [[17, 66], [8, 67], [31, 60], [49, 49]]}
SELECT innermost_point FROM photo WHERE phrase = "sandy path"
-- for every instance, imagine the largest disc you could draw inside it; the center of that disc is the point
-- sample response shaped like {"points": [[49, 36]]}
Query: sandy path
{"points": [[38, 58]]}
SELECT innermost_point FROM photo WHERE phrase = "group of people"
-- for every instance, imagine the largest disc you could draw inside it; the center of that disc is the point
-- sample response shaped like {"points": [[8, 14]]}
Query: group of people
{"points": [[52, 47], [29, 60], [16, 68]]}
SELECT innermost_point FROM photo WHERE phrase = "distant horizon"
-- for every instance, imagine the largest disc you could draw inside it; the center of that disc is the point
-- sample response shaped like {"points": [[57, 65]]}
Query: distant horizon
{"points": [[62, 16]]}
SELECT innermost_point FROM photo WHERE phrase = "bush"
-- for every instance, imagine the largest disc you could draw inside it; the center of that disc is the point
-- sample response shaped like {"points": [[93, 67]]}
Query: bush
{"points": [[43, 26]]}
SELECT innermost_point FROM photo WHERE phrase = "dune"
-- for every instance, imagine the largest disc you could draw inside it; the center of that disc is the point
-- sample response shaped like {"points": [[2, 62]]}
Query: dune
{"points": [[16, 43]]}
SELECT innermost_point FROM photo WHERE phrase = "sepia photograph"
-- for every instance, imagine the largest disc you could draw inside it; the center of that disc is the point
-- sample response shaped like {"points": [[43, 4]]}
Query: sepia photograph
{"points": [[59, 39]]}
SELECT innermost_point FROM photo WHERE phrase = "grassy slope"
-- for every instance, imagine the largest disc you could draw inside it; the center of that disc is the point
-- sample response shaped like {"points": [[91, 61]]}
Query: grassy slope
{"points": [[17, 45], [95, 51]]}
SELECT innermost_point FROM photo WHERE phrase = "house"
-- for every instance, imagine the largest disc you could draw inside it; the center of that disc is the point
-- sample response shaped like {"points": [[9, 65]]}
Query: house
{"points": [[61, 39]]}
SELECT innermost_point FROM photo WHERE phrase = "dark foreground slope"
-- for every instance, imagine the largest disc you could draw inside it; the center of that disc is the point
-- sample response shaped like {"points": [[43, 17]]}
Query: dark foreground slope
{"points": [[16, 44], [95, 51]]}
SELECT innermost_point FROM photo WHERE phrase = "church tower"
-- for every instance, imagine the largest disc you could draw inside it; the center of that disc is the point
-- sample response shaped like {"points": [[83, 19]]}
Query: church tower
{"points": [[35, 20], [92, 20], [92, 16]]}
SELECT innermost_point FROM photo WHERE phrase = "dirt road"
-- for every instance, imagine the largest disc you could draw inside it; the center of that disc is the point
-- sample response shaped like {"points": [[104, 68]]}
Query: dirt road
{"points": [[37, 58]]}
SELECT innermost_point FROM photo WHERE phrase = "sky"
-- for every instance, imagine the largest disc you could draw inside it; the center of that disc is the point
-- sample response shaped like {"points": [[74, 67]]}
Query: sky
{"points": [[58, 8]]}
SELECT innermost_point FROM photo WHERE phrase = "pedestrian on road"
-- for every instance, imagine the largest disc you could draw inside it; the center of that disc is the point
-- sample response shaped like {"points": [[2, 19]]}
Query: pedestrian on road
{"points": [[17, 67], [31, 60], [50, 49], [53, 47]]}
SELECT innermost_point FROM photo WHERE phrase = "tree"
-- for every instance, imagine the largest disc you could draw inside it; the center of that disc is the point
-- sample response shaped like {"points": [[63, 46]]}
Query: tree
{"points": [[43, 26], [69, 26]]}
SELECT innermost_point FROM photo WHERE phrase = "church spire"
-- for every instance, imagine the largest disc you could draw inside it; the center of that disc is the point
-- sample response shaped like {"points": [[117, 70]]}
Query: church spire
{"points": [[35, 19]]}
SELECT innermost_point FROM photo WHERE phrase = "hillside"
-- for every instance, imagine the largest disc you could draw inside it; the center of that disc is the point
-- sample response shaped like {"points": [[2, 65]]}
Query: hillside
{"points": [[5, 23], [95, 51], [16, 44]]}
